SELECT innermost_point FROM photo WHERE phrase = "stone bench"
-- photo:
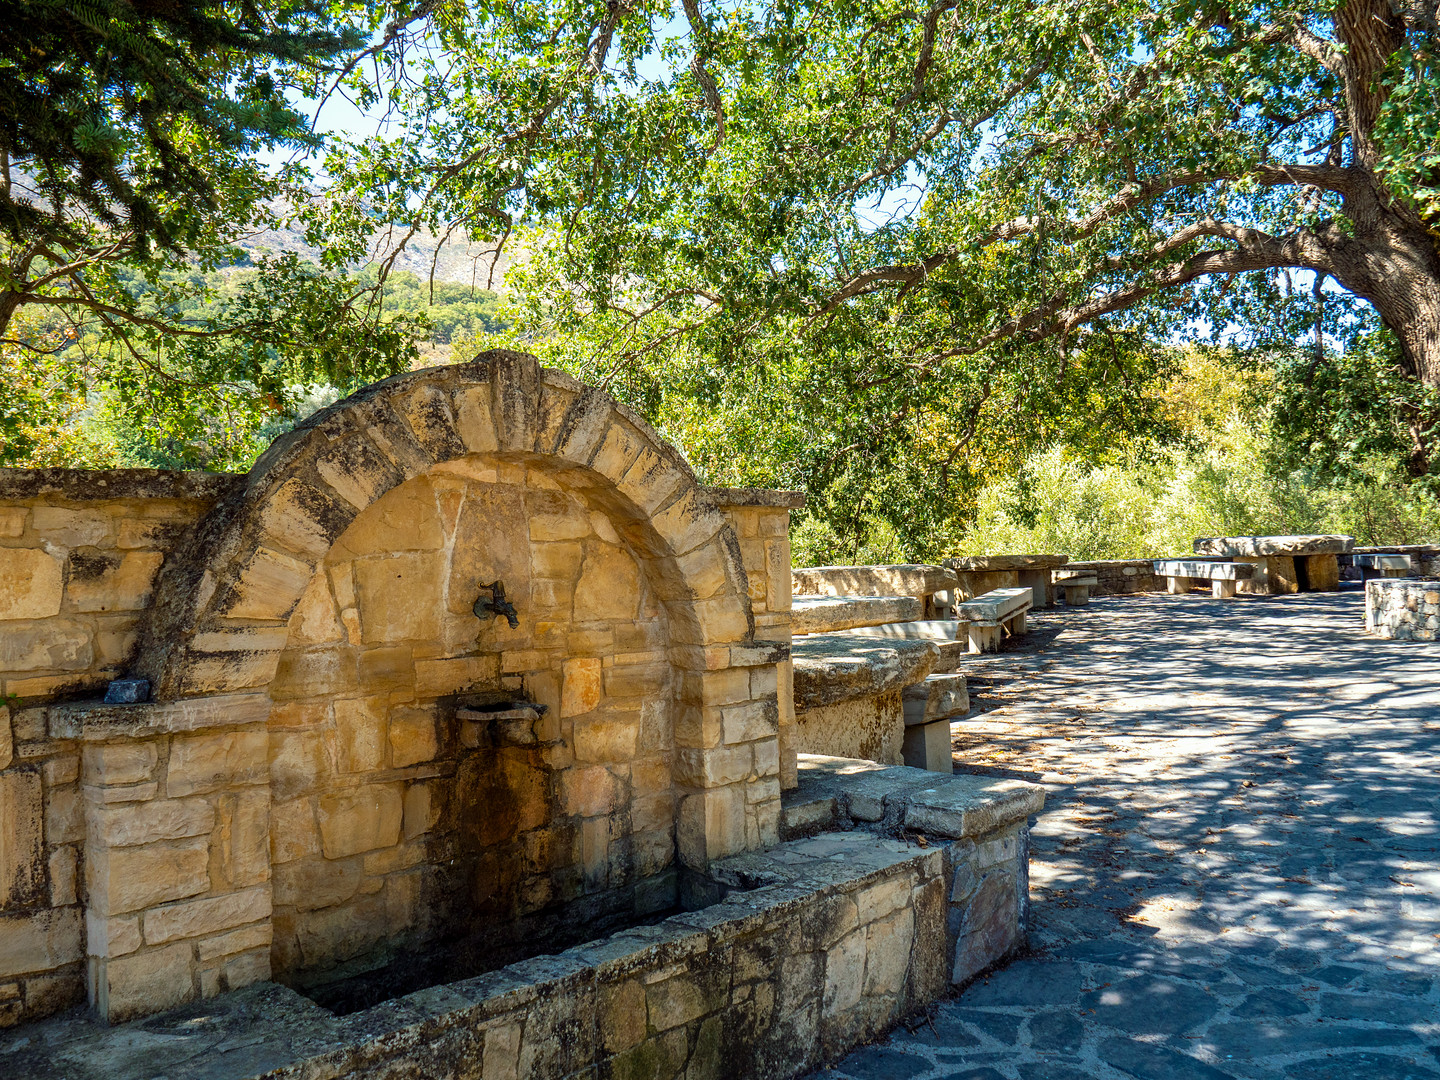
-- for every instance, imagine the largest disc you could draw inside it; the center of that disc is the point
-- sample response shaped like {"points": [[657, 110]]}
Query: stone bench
{"points": [[1383, 566], [933, 586], [989, 615], [848, 693], [1182, 575], [979, 574], [829, 614], [948, 635], [930, 706], [1283, 564], [1076, 587]]}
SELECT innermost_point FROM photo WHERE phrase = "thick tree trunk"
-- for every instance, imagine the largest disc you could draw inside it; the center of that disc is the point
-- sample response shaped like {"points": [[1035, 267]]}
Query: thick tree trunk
{"points": [[1392, 261]]}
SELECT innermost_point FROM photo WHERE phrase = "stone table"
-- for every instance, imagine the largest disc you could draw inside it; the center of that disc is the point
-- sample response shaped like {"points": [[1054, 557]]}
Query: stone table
{"points": [[1283, 564], [982, 573]]}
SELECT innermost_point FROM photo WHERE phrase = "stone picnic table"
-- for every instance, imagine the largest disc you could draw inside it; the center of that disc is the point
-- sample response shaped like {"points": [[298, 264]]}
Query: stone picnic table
{"points": [[980, 574], [1283, 564]]}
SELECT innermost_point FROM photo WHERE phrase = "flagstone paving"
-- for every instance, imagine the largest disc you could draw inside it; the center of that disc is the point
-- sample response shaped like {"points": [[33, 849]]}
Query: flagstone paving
{"points": [[1237, 873]]}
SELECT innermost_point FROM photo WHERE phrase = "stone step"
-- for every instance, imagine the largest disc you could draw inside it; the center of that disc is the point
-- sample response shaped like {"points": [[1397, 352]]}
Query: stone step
{"points": [[939, 697], [826, 614]]}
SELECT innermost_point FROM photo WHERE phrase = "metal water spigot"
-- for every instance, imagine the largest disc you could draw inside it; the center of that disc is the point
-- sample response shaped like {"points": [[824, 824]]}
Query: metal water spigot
{"points": [[495, 605]]}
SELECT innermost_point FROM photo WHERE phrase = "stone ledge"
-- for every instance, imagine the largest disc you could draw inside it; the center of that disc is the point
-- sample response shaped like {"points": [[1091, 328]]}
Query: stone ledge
{"points": [[981, 564], [827, 614], [1256, 547], [900, 579], [959, 806], [766, 497], [93, 721], [84, 485], [950, 636], [830, 668], [1199, 568]]}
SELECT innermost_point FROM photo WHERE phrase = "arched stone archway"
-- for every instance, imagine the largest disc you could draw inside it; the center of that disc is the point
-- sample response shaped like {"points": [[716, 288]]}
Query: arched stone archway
{"points": [[220, 612], [227, 606]]}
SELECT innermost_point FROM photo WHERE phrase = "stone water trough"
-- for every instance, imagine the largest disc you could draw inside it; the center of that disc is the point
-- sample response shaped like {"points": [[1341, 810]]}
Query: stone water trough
{"points": [[449, 741]]}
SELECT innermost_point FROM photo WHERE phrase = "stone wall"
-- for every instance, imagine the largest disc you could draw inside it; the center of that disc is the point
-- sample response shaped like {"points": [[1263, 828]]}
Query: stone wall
{"points": [[1404, 609], [79, 552], [1119, 576], [394, 822], [761, 520], [303, 787]]}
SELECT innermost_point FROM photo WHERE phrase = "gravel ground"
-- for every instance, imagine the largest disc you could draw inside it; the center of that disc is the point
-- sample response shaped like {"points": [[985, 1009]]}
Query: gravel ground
{"points": [[1237, 873]]}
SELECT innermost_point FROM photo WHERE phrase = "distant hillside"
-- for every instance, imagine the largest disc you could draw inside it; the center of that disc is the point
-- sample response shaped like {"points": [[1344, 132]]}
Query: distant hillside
{"points": [[459, 260]]}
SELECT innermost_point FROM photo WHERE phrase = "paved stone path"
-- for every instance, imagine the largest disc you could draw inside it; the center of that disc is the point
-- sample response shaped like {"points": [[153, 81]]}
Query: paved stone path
{"points": [[1238, 870]]}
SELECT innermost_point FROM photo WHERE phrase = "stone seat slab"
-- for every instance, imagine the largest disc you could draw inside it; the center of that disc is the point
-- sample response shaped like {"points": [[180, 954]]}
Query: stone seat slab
{"points": [[1255, 547], [899, 579], [947, 634], [811, 614], [958, 806], [1388, 565], [996, 606], [939, 697], [1076, 577], [1205, 569], [831, 668]]}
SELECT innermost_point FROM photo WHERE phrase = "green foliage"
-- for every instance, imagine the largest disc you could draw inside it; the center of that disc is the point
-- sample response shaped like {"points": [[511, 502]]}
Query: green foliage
{"points": [[127, 116]]}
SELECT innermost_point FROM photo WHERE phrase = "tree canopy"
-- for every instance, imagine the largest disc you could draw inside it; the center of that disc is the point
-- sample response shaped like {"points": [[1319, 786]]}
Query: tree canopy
{"points": [[885, 251], [935, 183]]}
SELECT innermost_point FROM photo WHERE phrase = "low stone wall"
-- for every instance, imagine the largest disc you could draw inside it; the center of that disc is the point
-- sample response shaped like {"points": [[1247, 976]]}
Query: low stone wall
{"points": [[1118, 576], [1405, 609], [825, 942]]}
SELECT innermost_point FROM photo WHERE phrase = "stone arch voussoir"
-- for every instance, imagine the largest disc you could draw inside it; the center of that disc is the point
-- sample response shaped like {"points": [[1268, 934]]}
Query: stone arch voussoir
{"points": [[223, 602]]}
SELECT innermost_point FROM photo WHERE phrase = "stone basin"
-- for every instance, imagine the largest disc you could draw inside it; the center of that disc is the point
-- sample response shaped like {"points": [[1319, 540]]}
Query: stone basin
{"points": [[911, 884]]}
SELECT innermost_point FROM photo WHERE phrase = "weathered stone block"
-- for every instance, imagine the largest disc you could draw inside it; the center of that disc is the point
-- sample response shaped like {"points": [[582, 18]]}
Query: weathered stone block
{"points": [[360, 733], [71, 528], [144, 982], [312, 884], [293, 832], [580, 689], [200, 763], [120, 763], [413, 737], [750, 721], [39, 942], [133, 878], [361, 820], [607, 738], [609, 585], [113, 935], [400, 597], [622, 1015], [64, 815], [123, 583], [844, 974], [22, 850], [130, 824], [208, 915], [62, 644], [269, 586]]}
